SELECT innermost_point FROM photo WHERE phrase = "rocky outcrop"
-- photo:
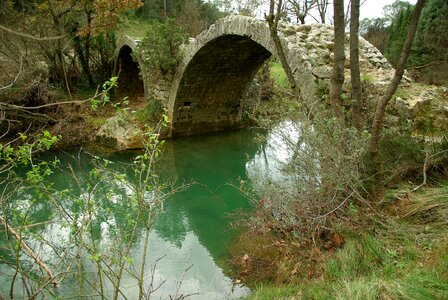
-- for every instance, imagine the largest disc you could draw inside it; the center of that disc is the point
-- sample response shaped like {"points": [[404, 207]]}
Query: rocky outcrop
{"points": [[120, 133]]}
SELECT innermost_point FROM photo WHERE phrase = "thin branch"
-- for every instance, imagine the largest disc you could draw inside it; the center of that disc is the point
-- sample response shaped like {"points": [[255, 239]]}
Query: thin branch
{"points": [[423, 66], [29, 36], [79, 102], [425, 168], [15, 79], [335, 209], [31, 253]]}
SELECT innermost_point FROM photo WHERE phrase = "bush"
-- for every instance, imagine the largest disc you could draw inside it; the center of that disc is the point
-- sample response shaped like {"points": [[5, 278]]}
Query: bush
{"points": [[162, 45], [317, 172]]}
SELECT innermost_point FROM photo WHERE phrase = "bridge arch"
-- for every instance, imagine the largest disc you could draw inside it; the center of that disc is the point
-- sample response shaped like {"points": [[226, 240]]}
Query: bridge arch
{"points": [[131, 81], [218, 68], [205, 93]]}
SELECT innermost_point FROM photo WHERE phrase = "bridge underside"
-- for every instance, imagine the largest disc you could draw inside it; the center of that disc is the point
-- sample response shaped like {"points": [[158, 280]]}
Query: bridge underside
{"points": [[129, 81], [213, 84]]}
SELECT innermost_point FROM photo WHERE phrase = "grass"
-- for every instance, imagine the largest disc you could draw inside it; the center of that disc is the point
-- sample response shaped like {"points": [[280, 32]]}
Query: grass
{"points": [[396, 256], [135, 27], [279, 75], [268, 292]]}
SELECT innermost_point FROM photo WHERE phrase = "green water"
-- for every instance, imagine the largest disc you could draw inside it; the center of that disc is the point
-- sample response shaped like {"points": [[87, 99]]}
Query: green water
{"points": [[192, 230]]}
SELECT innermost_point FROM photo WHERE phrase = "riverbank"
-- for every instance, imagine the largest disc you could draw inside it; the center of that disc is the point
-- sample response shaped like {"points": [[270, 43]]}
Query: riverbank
{"points": [[392, 249]]}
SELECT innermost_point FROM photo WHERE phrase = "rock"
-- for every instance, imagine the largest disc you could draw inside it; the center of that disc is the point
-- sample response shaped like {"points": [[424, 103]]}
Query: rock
{"points": [[392, 120], [402, 108], [322, 72], [120, 133]]}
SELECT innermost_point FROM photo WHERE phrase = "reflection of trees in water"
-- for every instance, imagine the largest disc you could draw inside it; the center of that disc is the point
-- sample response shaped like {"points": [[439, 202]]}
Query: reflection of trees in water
{"points": [[172, 224], [212, 162], [199, 211]]}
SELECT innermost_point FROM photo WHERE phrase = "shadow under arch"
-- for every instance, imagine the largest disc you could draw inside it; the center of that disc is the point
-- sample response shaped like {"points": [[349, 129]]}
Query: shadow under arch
{"points": [[130, 81], [209, 95]]}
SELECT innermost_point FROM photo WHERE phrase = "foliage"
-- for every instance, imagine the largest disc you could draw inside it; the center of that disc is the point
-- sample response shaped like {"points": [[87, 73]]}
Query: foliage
{"points": [[431, 43], [395, 253], [152, 112], [162, 45], [397, 33], [321, 177], [189, 18], [388, 34], [375, 31], [279, 75], [104, 14], [80, 257], [159, 10]]}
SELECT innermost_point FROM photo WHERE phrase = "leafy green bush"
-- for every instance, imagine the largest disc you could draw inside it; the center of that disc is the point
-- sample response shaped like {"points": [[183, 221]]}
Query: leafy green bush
{"points": [[161, 46]]}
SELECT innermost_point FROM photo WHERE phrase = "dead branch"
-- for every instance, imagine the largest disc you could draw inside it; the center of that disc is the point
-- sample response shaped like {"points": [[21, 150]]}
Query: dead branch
{"points": [[29, 36], [425, 168], [15, 79], [335, 209], [423, 66], [31, 253]]}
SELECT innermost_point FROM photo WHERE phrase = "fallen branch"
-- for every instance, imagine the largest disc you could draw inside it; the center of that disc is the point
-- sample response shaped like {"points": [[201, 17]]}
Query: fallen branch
{"points": [[423, 66], [30, 253], [425, 168]]}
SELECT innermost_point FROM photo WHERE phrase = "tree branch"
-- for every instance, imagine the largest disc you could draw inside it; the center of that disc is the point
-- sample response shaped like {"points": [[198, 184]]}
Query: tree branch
{"points": [[15, 79], [32, 37], [30, 253]]}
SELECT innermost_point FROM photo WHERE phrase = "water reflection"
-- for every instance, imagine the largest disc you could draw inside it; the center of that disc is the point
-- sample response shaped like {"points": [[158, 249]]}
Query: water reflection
{"points": [[270, 163], [193, 228]]}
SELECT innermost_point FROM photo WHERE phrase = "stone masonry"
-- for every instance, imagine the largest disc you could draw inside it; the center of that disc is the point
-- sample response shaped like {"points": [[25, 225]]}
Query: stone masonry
{"points": [[205, 93]]}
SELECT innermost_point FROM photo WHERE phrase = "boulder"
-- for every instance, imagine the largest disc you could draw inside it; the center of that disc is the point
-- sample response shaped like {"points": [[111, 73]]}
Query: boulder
{"points": [[120, 133]]}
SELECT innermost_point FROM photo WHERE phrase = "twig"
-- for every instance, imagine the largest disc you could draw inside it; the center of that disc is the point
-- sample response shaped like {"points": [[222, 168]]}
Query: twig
{"points": [[28, 36], [12, 106], [423, 66], [178, 296], [151, 289], [31, 253], [425, 168], [335, 209], [15, 79]]}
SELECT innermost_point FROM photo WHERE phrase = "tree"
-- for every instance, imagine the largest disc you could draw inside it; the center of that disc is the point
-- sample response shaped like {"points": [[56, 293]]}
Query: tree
{"points": [[57, 14], [300, 9], [392, 87], [397, 33], [323, 171], [337, 76], [273, 19], [354, 65], [99, 17], [391, 11], [322, 7], [189, 18], [375, 31], [162, 45], [248, 7]]}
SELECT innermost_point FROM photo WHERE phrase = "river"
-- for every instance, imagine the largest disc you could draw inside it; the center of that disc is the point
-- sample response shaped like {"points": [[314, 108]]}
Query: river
{"points": [[188, 243]]}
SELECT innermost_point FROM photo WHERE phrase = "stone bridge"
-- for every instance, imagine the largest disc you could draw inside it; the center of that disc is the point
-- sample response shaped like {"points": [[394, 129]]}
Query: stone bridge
{"points": [[207, 91]]}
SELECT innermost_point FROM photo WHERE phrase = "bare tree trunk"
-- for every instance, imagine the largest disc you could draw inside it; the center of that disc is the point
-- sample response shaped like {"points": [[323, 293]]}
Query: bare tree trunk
{"points": [[337, 76], [57, 22], [354, 65], [392, 87], [89, 16], [273, 24], [322, 6]]}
